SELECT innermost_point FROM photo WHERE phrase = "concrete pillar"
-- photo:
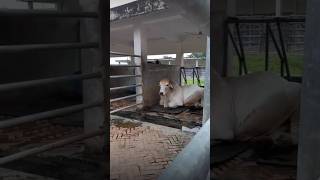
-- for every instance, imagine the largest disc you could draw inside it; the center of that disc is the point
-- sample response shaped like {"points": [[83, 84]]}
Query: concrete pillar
{"points": [[309, 131], [278, 8], [93, 89], [140, 48], [179, 56], [222, 57], [207, 98]]}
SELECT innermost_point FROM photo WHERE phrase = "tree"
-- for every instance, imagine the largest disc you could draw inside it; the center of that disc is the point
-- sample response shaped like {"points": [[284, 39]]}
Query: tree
{"points": [[199, 55]]}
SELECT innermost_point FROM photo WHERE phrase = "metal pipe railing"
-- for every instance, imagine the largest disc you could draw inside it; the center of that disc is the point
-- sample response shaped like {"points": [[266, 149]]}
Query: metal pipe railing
{"points": [[124, 76], [125, 87], [30, 47], [24, 84], [47, 114], [126, 107], [193, 162], [51, 146], [54, 14], [123, 54], [124, 97]]}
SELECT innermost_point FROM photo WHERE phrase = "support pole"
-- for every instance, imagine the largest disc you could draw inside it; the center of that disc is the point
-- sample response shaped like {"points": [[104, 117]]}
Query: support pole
{"points": [[140, 49], [207, 98], [93, 89], [309, 137]]}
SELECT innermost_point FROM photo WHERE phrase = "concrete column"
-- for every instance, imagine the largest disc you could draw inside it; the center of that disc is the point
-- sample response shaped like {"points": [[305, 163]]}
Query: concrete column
{"points": [[179, 56], [140, 48], [278, 8], [309, 131], [179, 61], [93, 89], [222, 57], [207, 111]]}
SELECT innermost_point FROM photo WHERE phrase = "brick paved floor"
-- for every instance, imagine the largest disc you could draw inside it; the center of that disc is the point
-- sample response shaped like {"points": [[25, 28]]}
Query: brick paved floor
{"points": [[142, 150]]}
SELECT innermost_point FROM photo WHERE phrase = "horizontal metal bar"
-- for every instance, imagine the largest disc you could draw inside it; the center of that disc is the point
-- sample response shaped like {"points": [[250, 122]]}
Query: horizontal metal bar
{"points": [[123, 54], [125, 87], [40, 13], [29, 47], [47, 114], [128, 66], [124, 76], [51, 146], [125, 97], [193, 162], [264, 20], [24, 84], [126, 107]]}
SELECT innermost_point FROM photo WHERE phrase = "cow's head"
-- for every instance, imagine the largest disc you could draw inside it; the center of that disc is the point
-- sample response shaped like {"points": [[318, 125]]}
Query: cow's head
{"points": [[165, 86]]}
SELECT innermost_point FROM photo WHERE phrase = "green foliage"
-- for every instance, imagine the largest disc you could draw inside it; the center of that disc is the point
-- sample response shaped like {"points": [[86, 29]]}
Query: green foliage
{"points": [[200, 55]]}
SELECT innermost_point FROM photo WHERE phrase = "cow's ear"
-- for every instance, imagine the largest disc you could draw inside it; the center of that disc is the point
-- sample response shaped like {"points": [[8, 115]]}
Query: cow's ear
{"points": [[170, 85]]}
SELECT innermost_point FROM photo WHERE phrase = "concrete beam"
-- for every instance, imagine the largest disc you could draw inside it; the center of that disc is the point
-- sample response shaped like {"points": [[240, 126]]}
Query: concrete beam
{"points": [[207, 97], [309, 131]]}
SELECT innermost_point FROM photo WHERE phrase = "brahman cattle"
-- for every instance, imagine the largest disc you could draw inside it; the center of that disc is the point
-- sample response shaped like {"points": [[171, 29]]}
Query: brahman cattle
{"points": [[172, 95], [253, 105]]}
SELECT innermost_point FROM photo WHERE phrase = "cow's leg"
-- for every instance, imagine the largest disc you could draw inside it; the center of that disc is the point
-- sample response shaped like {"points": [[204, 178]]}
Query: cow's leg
{"points": [[161, 101]]}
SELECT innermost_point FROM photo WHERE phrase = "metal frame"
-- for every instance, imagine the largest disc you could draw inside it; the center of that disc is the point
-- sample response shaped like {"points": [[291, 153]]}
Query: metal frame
{"points": [[279, 46], [102, 45], [137, 75], [195, 73]]}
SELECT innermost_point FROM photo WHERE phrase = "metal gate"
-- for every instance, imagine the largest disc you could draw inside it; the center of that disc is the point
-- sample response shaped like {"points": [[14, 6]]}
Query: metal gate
{"points": [[136, 64], [100, 16]]}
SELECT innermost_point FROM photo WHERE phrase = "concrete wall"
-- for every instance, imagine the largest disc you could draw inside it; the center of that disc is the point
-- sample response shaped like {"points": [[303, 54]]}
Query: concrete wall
{"points": [[154, 73]]}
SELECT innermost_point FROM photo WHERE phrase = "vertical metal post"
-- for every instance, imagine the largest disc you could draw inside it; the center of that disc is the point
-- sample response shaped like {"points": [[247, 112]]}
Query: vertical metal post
{"points": [[284, 53], [267, 48], [243, 57]]}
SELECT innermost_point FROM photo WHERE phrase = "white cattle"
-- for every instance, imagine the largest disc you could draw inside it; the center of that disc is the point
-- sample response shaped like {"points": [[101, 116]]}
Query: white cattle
{"points": [[172, 95], [253, 105]]}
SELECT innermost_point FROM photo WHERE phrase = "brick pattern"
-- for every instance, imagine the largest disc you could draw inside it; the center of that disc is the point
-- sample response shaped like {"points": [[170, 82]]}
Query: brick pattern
{"points": [[143, 152], [34, 133]]}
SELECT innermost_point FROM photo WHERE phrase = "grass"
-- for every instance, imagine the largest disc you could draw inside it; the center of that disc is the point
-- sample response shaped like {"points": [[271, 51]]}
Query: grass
{"points": [[257, 63], [189, 81]]}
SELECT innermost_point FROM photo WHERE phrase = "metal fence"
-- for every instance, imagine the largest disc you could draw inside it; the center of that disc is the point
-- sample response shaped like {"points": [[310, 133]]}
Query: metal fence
{"points": [[275, 34], [196, 74], [100, 16], [138, 85]]}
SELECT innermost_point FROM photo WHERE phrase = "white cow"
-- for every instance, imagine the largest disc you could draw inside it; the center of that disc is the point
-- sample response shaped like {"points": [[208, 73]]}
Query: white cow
{"points": [[173, 95], [253, 105]]}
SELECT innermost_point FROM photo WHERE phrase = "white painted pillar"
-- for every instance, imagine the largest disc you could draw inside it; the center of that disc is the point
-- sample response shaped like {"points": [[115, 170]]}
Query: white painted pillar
{"points": [[207, 110], [140, 48], [179, 56], [278, 8]]}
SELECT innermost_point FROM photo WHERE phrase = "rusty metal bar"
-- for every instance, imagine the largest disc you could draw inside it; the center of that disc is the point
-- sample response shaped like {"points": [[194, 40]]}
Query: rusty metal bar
{"points": [[30, 47], [24, 84], [124, 76], [124, 97], [47, 114], [41, 13], [51, 146], [126, 107], [123, 54], [125, 87]]}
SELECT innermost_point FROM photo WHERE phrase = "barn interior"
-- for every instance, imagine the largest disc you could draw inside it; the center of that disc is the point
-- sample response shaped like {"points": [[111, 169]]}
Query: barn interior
{"points": [[59, 91]]}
